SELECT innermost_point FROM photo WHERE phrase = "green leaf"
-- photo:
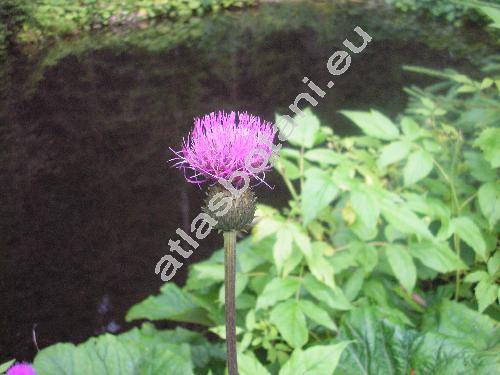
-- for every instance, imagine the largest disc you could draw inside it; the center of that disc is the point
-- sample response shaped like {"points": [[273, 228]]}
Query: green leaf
{"points": [[319, 266], [282, 249], [419, 165], [205, 274], [353, 284], [479, 168], [114, 355], [486, 293], [373, 124], [489, 202], [306, 131], [301, 239], [454, 340], [316, 360], [402, 265], [437, 256], [378, 347], [324, 156], [249, 256], [392, 153], [456, 320], [366, 207], [317, 314], [333, 297], [476, 276], [468, 231], [276, 290], [494, 263], [249, 365], [318, 192], [403, 219], [172, 304], [410, 128], [489, 142], [288, 168], [291, 323], [5, 366], [491, 12], [266, 227]]}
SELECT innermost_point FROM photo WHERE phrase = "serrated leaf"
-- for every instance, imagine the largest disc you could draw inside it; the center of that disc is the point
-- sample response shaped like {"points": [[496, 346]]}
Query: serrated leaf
{"points": [[278, 289], [324, 156], [479, 168], [266, 227], [291, 323], [318, 192], [353, 284], [249, 365], [302, 240], [489, 142], [494, 263], [419, 165], [476, 276], [402, 265], [392, 153], [437, 256], [282, 249], [366, 207], [456, 320], [115, 355], [453, 340], [410, 128], [287, 167], [316, 360], [317, 314], [172, 304], [320, 268], [333, 297], [468, 231], [374, 124], [306, 131], [404, 220], [486, 293], [489, 202]]}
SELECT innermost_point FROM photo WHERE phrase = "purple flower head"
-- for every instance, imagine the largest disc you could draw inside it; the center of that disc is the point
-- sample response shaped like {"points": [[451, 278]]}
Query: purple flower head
{"points": [[21, 369], [223, 143]]}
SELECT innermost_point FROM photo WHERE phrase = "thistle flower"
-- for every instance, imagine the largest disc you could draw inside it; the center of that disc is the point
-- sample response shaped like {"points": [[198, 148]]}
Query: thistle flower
{"points": [[21, 369], [223, 143], [223, 146]]}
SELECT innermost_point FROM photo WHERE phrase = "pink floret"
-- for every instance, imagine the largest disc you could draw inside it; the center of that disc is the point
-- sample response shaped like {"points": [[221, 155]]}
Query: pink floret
{"points": [[221, 143], [21, 369]]}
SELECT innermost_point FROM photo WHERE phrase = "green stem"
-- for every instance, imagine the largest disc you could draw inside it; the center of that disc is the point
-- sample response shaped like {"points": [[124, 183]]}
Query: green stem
{"points": [[289, 184], [230, 300], [301, 168], [456, 210], [456, 244]]}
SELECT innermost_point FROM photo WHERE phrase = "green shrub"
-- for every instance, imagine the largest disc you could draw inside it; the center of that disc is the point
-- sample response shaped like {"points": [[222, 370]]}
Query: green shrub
{"points": [[454, 11], [59, 18]]}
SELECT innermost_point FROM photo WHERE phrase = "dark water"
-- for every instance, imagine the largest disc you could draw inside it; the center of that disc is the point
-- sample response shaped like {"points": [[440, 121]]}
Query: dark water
{"points": [[88, 198]]}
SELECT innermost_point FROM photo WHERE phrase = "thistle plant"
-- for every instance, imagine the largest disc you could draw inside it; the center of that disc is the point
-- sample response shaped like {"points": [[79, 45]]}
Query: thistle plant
{"points": [[229, 152]]}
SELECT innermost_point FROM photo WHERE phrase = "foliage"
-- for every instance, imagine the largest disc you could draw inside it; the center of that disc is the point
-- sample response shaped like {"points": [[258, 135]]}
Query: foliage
{"points": [[13, 14], [358, 274], [455, 11], [58, 18]]}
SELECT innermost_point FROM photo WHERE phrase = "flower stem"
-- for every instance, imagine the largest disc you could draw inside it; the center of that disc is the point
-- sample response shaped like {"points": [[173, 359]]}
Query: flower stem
{"points": [[230, 302]]}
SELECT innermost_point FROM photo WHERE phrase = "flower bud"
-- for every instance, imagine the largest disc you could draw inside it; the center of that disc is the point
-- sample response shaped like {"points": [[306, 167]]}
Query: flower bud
{"points": [[239, 214]]}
